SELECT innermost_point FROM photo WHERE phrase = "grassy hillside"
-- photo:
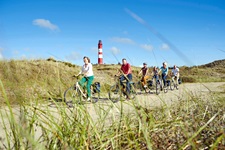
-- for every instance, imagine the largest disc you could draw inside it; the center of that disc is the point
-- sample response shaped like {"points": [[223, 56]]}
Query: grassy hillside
{"points": [[211, 72], [191, 122], [23, 80]]}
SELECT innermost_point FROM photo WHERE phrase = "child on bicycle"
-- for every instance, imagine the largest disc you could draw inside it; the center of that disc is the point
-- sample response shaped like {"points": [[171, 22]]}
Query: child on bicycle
{"points": [[144, 71], [88, 77], [155, 73]]}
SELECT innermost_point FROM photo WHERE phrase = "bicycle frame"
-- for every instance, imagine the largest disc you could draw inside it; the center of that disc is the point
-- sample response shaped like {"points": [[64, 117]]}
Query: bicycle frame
{"points": [[162, 86], [80, 90], [76, 92], [174, 82], [157, 83], [116, 91]]}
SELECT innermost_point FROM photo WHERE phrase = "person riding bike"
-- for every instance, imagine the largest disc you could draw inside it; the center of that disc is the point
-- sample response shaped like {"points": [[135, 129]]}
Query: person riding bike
{"points": [[88, 77], [144, 71], [175, 74], [155, 73], [126, 75], [164, 74]]}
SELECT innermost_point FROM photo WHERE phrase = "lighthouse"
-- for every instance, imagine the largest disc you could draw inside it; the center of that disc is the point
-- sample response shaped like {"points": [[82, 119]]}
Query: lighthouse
{"points": [[100, 56]]}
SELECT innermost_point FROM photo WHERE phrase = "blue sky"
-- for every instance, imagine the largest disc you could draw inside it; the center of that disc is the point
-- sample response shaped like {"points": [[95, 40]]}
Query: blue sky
{"points": [[181, 32]]}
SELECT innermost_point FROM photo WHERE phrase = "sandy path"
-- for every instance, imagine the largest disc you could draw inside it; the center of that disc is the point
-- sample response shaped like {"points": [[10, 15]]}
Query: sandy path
{"points": [[146, 100], [153, 100]]}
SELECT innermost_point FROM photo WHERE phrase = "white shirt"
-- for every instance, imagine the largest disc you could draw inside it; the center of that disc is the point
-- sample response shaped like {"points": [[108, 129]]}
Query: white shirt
{"points": [[87, 69], [175, 71]]}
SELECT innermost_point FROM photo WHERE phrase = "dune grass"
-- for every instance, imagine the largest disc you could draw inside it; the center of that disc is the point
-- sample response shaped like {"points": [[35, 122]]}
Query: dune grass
{"points": [[48, 79], [191, 123], [28, 121]]}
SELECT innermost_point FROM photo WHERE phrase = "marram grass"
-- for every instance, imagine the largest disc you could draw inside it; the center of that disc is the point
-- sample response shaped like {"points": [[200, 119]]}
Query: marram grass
{"points": [[187, 124]]}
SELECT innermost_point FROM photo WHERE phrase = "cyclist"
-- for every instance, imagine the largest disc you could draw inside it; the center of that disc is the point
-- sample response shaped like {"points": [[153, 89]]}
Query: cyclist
{"points": [[164, 74], [155, 73], [126, 75], [175, 74], [144, 71], [88, 76]]}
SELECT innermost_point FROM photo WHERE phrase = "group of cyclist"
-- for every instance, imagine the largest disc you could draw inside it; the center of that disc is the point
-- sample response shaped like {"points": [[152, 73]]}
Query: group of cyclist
{"points": [[126, 74], [156, 72]]}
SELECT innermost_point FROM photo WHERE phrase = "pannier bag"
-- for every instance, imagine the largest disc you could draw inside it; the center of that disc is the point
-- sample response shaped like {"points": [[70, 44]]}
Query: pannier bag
{"points": [[97, 87], [179, 81], [168, 82], [149, 82]]}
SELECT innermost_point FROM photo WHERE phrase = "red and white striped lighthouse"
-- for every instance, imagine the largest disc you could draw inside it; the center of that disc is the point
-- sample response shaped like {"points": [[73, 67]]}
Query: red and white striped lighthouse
{"points": [[100, 56]]}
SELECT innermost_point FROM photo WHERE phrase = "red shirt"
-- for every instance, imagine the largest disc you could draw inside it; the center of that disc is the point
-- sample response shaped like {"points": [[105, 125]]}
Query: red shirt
{"points": [[125, 68]]}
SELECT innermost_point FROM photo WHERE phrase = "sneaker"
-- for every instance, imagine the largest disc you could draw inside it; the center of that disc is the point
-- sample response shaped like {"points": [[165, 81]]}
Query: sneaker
{"points": [[88, 99], [146, 90]]}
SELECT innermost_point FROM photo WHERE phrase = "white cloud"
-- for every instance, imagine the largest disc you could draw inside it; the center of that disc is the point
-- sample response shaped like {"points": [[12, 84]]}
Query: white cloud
{"points": [[73, 56], [165, 46], [123, 40], [147, 47], [115, 50], [45, 24], [1, 55]]}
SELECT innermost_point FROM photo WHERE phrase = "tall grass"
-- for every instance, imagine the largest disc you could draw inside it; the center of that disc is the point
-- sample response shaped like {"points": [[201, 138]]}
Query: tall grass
{"points": [[191, 123], [48, 79]]}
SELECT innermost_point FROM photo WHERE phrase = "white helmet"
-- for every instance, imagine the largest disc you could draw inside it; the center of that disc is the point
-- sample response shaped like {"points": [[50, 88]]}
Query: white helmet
{"points": [[164, 63]]}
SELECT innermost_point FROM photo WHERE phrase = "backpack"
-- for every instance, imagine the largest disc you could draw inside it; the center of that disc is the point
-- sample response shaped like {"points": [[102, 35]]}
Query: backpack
{"points": [[149, 82], [97, 87]]}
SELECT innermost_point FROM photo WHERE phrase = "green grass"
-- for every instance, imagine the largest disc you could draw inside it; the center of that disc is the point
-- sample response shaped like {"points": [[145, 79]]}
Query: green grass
{"points": [[191, 122], [48, 79], [29, 122]]}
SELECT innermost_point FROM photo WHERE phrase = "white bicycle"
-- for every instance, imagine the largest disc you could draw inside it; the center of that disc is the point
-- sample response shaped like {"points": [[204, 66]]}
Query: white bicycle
{"points": [[174, 84], [76, 94]]}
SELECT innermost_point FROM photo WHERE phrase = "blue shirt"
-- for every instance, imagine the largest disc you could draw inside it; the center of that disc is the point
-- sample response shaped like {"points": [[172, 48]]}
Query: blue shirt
{"points": [[164, 70]]}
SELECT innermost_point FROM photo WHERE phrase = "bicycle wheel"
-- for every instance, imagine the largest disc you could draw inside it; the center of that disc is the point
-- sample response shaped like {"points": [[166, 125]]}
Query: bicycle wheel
{"points": [[133, 92], [95, 97], [165, 87], [139, 86], [72, 95], [157, 87], [172, 85], [95, 93], [114, 93], [177, 81]]}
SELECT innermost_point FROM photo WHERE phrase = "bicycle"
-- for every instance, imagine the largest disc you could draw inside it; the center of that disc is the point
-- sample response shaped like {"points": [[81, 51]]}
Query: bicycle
{"points": [[164, 87], [117, 91], [76, 94], [174, 85], [154, 84], [139, 85]]}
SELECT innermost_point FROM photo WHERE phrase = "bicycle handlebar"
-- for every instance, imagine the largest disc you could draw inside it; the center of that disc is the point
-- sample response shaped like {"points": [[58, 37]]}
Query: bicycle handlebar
{"points": [[76, 76]]}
